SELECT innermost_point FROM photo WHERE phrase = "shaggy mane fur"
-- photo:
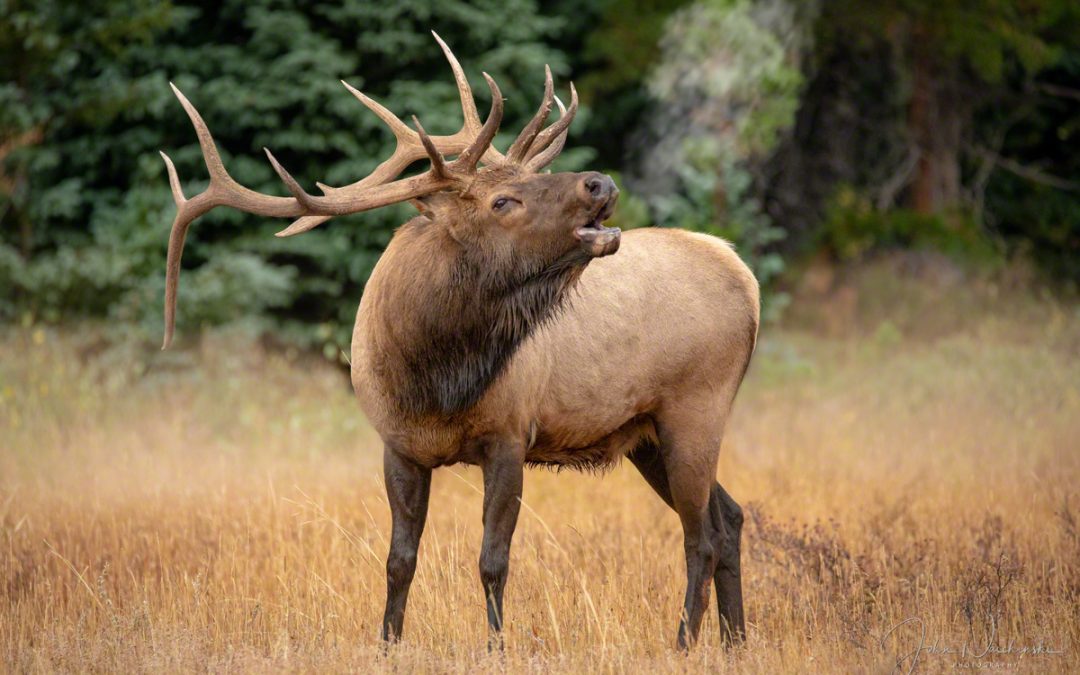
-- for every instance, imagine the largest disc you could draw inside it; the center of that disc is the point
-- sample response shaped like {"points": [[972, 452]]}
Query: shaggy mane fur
{"points": [[479, 308]]}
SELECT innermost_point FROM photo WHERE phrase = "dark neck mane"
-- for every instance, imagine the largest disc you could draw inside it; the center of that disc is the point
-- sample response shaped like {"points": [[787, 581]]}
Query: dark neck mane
{"points": [[454, 331]]}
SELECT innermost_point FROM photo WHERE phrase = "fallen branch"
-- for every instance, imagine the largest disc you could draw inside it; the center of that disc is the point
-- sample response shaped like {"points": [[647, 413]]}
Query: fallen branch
{"points": [[1030, 173]]}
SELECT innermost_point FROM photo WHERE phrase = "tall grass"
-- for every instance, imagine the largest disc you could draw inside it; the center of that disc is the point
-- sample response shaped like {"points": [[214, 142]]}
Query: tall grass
{"points": [[221, 509]]}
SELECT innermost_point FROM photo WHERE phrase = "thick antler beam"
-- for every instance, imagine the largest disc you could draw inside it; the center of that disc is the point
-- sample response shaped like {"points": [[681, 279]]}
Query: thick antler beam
{"points": [[340, 205], [222, 191]]}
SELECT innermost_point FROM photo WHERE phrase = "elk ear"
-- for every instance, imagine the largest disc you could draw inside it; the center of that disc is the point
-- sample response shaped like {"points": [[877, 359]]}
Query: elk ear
{"points": [[431, 205], [424, 207]]}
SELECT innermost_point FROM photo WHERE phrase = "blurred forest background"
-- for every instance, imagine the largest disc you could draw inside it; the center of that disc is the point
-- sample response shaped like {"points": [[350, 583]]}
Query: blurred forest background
{"points": [[903, 175], [809, 133]]}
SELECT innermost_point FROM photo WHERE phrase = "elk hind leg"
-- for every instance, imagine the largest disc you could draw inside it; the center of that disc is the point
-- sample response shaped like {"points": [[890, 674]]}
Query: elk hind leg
{"points": [[689, 454], [725, 522]]}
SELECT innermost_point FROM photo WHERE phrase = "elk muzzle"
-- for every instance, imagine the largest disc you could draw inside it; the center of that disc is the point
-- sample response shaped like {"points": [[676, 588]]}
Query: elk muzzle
{"points": [[598, 191]]}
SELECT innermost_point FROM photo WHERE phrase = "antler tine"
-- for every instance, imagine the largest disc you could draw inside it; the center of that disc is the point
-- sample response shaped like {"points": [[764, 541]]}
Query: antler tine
{"points": [[550, 142], [469, 158], [305, 223], [517, 151], [468, 103], [397, 127], [438, 166], [472, 124], [222, 191], [297, 192], [210, 154], [549, 154], [552, 151], [174, 181]]}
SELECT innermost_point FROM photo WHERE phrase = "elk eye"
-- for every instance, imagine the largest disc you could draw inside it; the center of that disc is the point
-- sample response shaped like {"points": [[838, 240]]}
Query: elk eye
{"points": [[500, 203]]}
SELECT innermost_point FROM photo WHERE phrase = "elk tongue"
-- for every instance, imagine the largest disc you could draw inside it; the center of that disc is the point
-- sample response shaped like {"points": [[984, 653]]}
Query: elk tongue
{"points": [[597, 240]]}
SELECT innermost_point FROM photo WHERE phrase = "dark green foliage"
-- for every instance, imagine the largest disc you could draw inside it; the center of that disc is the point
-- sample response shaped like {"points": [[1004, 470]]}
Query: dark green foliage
{"points": [[614, 46], [852, 228], [1039, 208], [984, 35]]}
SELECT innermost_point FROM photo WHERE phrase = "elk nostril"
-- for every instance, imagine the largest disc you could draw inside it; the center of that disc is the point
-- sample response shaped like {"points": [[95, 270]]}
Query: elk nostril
{"points": [[593, 185]]}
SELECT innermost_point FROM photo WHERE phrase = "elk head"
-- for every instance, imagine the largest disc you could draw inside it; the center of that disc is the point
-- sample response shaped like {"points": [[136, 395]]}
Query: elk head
{"points": [[500, 207]]}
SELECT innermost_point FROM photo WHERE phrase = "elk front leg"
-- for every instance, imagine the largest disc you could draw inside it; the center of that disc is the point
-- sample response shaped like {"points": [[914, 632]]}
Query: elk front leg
{"points": [[503, 475], [408, 486]]}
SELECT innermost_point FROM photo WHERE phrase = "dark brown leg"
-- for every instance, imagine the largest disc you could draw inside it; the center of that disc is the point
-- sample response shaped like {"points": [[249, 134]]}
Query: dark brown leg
{"points": [[700, 561], [503, 476], [646, 458], [725, 520], [689, 457], [408, 486]]}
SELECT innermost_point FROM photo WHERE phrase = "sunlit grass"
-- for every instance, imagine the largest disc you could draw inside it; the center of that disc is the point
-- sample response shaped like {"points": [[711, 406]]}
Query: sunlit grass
{"points": [[222, 509]]}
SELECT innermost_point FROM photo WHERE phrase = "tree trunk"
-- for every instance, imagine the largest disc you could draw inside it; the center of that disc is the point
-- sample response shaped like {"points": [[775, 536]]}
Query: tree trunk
{"points": [[936, 121]]}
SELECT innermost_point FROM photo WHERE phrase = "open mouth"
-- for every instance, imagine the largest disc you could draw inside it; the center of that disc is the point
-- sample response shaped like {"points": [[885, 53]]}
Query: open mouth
{"points": [[596, 239]]}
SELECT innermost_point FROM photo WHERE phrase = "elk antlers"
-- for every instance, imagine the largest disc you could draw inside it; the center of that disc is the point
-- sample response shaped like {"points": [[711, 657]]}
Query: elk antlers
{"points": [[440, 176], [531, 152]]}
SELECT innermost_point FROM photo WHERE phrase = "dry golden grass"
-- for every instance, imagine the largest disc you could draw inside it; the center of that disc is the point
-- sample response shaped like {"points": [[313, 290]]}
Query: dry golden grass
{"points": [[224, 511]]}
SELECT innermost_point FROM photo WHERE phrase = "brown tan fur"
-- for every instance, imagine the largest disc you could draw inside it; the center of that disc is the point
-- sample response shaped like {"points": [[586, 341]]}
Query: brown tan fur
{"points": [[672, 316]]}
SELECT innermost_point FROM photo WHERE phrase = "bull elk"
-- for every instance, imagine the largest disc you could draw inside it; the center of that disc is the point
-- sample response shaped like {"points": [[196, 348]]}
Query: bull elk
{"points": [[498, 330]]}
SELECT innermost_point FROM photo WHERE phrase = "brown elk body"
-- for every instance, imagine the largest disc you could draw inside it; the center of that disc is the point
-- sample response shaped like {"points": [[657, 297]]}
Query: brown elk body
{"points": [[499, 330]]}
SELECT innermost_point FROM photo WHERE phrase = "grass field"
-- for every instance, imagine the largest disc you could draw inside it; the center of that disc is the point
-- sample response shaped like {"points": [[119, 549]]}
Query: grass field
{"points": [[917, 460]]}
